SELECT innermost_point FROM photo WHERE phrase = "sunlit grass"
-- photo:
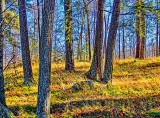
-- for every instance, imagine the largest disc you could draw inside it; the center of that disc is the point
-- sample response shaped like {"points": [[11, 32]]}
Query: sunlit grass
{"points": [[131, 79]]}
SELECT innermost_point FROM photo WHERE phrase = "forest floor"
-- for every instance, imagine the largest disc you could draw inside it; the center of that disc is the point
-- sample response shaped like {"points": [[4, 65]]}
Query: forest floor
{"points": [[135, 91]]}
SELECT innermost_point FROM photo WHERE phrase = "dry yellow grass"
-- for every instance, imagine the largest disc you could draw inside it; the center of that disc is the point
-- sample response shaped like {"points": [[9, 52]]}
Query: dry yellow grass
{"points": [[131, 79]]}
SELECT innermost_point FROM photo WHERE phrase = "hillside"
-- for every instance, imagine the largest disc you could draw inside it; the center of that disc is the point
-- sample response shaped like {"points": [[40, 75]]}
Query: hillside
{"points": [[134, 92]]}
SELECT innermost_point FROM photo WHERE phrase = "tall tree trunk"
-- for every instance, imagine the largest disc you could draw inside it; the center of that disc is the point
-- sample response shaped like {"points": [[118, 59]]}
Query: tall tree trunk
{"points": [[95, 22], [34, 28], [43, 103], [107, 75], [69, 63], [119, 42], [80, 39], [106, 33], [2, 91], [143, 29], [95, 71], [39, 28], [27, 69], [105, 36], [14, 49], [86, 46], [133, 46], [157, 38], [159, 41], [137, 29], [78, 42], [5, 58], [55, 41], [152, 50], [130, 47], [88, 33], [107, 28], [157, 32], [89, 37], [123, 41]]}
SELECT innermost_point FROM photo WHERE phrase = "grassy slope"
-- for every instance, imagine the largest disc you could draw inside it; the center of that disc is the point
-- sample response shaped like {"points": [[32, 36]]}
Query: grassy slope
{"points": [[135, 90]]}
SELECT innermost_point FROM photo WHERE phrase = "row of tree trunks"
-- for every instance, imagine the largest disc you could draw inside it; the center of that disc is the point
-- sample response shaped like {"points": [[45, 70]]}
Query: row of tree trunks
{"points": [[87, 55], [95, 71], [108, 68]]}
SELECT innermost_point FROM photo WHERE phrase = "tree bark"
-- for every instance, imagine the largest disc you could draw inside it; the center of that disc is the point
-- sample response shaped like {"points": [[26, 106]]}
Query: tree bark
{"points": [[137, 29], [95, 21], [88, 33], [89, 37], [107, 75], [157, 33], [69, 63], [43, 103], [123, 40], [34, 36], [80, 39], [143, 29], [2, 91], [119, 46], [39, 28], [105, 36], [95, 71], [106, 33], [27, 69], [157, 37]]}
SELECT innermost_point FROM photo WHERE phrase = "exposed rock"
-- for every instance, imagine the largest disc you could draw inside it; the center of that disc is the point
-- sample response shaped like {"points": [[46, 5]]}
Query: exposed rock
{"points": [[83, 85]]}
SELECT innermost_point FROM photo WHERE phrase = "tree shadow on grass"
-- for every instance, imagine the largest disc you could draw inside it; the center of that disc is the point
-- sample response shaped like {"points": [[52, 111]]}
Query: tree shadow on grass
{"points": [[114, 108], [151, 65], [19, 110], [107, 108]]}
